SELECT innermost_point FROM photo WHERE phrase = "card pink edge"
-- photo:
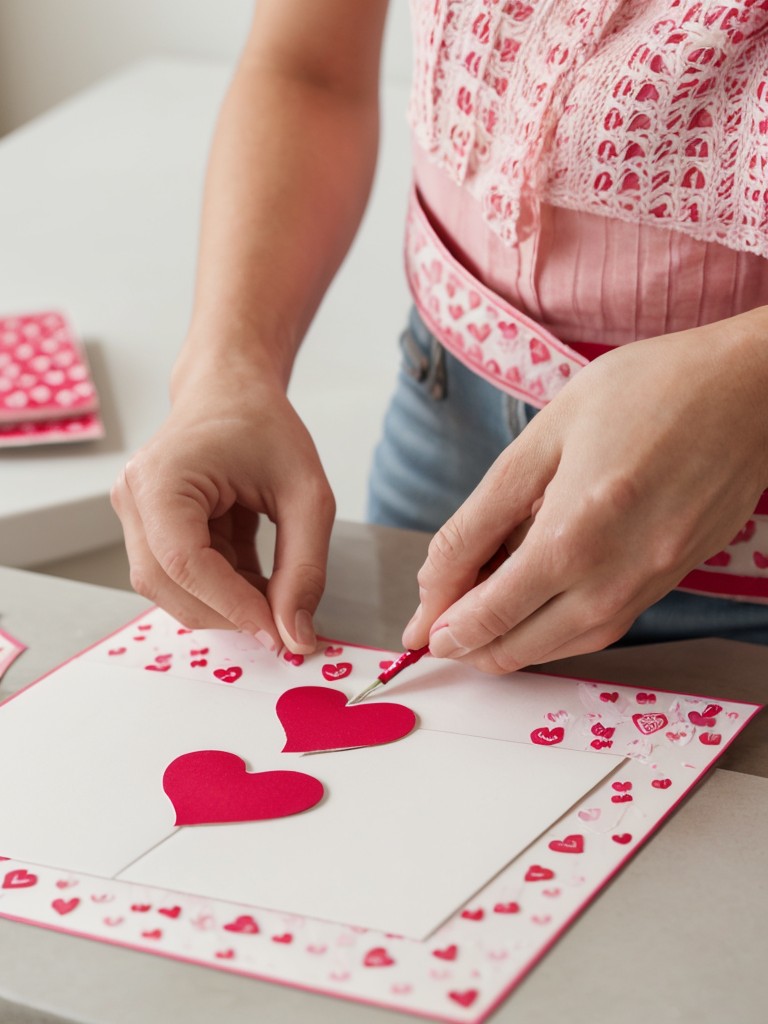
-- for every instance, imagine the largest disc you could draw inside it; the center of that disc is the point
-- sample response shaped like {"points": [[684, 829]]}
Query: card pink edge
{"points": [[511, 985]]}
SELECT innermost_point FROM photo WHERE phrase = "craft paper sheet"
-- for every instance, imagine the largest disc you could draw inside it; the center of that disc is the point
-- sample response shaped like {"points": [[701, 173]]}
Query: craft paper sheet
{"points": [[46, 392], [432, 874]]}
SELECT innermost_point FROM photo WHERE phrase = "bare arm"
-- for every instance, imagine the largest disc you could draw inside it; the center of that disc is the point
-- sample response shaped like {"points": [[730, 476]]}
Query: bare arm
{"points": [[289, 175]]}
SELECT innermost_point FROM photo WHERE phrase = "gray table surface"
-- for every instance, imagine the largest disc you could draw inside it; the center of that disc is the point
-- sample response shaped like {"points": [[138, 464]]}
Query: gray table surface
{"points": [[678, 936]]}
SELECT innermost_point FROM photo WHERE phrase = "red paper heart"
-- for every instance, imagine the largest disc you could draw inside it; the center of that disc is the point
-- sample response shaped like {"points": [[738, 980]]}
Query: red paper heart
{"points": [[333, 652], [712, 710], [646, 698], [661, 783], [213, 786], [548, 737], [286, 938], [571, 844], [449, 953], [623, 838], [609, 698], [473, 915], [172, 912], [317, 718]]}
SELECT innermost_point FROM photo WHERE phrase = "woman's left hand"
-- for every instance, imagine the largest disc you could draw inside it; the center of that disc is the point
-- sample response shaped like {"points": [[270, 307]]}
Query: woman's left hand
{"points": [[647, 463]]}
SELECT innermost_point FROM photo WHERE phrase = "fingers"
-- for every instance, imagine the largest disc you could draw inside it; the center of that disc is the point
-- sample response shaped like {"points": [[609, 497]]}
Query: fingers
{"points": [[181, 571], [495, 512], [301, 556], [563, 627]]}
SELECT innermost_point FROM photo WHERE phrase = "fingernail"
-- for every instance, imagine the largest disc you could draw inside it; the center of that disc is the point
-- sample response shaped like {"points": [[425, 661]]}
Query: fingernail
{"points": [[443, 644], [304, 629], [265, 640], [412, 625]]}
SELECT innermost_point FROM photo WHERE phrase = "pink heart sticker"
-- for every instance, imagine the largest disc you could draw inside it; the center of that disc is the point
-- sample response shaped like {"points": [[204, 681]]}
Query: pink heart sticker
{"points": [[213, 786], [317, 718]]}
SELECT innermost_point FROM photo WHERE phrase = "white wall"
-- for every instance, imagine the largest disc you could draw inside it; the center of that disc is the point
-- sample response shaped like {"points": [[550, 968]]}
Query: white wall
{"points": [[50, 49]]}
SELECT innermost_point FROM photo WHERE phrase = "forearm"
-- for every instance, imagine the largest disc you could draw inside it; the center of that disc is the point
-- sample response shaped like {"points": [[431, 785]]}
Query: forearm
{"points": [[289, 175]]}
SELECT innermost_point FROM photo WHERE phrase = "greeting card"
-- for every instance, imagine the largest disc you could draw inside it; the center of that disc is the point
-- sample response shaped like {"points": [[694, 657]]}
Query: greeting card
{"points": [[186, 792]]}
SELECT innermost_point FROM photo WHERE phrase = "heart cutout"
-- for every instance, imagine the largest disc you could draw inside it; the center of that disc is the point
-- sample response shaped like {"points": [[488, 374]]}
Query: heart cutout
{"points": [[209, 787], [317, 718]]}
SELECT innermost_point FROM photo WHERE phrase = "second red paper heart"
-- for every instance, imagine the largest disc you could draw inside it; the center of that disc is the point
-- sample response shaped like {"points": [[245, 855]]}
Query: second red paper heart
{"points": [[317, 718]]}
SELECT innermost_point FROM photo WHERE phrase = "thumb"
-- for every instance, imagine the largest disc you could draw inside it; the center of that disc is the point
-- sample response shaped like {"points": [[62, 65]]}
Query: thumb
{"points": [[298, 576], [504, 499]]}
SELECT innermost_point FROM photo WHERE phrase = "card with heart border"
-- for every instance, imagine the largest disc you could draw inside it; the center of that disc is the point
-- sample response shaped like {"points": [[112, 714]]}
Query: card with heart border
{"points": [[217, 804]]}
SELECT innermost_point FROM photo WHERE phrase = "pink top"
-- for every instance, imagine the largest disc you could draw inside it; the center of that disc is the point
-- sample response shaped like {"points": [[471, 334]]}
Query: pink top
{"points": [[651, 112], [586, 277]]}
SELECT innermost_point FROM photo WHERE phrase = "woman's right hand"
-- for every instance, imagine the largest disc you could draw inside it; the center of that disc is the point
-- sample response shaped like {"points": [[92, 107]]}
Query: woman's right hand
{"points": [[190, 501]]}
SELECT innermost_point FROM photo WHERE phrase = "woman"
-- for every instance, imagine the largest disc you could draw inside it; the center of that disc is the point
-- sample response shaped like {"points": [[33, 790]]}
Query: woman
{"points": [[562, 158]]}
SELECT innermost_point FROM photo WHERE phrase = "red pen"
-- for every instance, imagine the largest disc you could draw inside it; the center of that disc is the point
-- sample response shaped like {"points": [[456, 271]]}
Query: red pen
{"points": [[405, 659]]}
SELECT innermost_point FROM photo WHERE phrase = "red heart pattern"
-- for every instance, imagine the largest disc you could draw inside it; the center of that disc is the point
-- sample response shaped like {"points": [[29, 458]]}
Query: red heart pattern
{"points": [[213, 787], [317, 718], [19, 879], [571, 844], [548, 737], [650, 722], [335, 672], [228, 675]]}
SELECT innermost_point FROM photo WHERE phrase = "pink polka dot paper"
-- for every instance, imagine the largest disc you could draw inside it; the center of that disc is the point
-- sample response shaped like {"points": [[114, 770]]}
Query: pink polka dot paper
{"points": [[43, 371], [46, 391]]}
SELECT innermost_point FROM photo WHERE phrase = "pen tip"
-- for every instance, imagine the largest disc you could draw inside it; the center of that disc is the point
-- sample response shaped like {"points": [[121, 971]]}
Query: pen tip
{"points": [[364, 693]]}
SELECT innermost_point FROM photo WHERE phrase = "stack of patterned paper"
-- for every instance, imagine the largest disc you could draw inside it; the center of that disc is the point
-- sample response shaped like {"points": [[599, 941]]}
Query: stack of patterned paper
{"points": [[46, 391]]}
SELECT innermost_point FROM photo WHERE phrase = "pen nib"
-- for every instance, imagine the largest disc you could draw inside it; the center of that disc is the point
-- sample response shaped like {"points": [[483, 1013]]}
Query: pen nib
{"points": [[365, 693]]}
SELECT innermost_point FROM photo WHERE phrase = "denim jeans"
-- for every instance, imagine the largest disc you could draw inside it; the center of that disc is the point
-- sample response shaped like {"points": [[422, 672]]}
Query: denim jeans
{"points": [[444, 427]]}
